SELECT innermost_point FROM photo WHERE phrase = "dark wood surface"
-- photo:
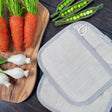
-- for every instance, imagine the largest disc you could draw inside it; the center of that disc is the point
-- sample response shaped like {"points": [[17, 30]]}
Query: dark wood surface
{"points": [[103, 20]]}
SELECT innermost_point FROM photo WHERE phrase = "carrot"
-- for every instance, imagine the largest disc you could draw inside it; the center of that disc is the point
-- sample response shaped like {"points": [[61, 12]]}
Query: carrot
{"points": [[17, 29], [16, 23], [29, 29], [31, 21], [4, 40]]}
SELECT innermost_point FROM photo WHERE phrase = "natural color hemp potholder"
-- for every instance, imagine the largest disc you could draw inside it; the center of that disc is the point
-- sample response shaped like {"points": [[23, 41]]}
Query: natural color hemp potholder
{"points": [[77, 66], [55, 102]]}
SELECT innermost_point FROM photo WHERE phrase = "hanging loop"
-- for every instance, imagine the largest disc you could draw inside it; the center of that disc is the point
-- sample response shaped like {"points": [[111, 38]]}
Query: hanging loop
{"points": [[83, 29]]}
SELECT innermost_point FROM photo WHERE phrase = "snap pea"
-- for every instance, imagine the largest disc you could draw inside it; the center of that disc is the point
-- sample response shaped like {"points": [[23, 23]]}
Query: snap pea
{"points": [[61, 6], [79, 16], [73, 9]]}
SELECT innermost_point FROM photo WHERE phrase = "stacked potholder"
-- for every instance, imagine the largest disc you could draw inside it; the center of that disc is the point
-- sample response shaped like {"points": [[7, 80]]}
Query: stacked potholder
{"points": [[77, 67]]}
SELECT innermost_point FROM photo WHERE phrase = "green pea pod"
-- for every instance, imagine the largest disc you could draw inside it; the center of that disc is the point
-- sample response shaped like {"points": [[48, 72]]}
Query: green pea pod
{"points": [[2, 61], [76, 7], [79, 16], [61, 6]]}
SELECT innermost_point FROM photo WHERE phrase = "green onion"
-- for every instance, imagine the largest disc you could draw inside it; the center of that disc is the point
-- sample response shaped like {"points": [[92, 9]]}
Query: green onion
{"points": [[2, 61], [1, 70]]}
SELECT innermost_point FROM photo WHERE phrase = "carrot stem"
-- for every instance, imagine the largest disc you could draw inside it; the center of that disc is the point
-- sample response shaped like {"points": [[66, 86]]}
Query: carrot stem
{"points": [[14, 7], [2, 8], [31, 6]]}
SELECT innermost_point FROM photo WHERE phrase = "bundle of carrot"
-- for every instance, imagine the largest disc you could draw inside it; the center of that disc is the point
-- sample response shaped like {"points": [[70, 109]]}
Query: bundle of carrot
{"points": [[16, 23], [30, 21], [4, 40]]}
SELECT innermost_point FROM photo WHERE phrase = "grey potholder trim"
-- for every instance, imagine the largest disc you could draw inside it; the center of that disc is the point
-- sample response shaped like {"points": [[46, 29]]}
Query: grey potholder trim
{"points": [[39, 98], [108, 108], [104, 64]]}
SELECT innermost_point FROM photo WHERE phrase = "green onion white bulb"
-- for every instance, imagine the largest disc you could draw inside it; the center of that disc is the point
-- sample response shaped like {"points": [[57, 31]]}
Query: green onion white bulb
{"points": [[4, 80], [19, 59], [17, 73]]}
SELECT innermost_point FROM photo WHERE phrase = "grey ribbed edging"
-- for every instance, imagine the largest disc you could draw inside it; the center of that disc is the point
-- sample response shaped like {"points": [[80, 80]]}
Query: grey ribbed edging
{"points": [[38, 96]]}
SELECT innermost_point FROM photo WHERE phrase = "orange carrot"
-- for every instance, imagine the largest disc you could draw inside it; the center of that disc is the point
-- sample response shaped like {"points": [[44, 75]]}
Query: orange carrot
{"points": [[4, 40], [31, 21], [17, 29], [29, 29], [16, 23]]}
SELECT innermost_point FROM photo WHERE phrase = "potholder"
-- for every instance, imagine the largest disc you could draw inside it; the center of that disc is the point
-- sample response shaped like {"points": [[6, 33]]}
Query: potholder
{"points": [[76, 63], [55, 102]]}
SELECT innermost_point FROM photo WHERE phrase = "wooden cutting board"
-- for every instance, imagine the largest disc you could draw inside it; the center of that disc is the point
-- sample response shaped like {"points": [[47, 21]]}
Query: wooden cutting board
{"points": [[22, 88]]}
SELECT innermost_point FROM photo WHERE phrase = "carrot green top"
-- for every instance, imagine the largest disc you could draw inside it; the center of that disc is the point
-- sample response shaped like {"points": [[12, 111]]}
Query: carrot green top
{"points": [[14, 7], [2, 8], [31, 6]]}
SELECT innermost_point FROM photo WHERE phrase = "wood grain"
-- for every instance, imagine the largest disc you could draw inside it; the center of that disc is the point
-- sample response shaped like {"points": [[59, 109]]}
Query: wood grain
{"points": [[22, 88]]}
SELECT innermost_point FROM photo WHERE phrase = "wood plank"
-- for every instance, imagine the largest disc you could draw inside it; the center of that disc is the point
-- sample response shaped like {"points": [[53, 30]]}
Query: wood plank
{"points": [[22, 88]]}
